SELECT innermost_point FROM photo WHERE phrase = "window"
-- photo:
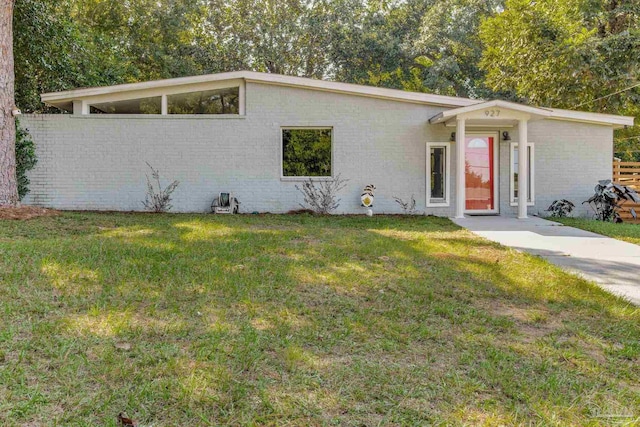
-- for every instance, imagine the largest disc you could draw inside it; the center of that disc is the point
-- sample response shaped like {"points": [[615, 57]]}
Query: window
{"points": [[129, 106], [438, 167], [306, 152], [514, 174], [217, 101]]}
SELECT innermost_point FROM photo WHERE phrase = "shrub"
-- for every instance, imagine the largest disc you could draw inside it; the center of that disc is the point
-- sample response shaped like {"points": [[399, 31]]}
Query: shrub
{"points": [[408, 208], [158, 199], [608, 199], [25, 159], [560, 208], [321, 196]]}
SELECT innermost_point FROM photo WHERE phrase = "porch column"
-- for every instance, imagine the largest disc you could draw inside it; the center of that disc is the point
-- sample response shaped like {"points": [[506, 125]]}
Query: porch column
{"points": [[523, 169], [164, 105], [460, 169]]}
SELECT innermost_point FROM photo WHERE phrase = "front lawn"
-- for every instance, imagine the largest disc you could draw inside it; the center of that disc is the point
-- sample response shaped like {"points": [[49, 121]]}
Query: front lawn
{"points": [[624, 231], [300, 320]]}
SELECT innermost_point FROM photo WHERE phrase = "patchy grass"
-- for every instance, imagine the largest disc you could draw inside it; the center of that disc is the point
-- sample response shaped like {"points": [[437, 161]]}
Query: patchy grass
{"points": [[301, 320], [24, 212], [624, 231]]}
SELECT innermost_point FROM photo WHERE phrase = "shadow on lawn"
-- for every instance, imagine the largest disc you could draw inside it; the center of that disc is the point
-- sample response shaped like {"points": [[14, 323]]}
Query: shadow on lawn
{"points": [[322, 320]]}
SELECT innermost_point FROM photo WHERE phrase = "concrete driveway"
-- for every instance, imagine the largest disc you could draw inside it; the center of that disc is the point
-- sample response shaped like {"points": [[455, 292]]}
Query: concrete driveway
{"points": [[611, 263]]}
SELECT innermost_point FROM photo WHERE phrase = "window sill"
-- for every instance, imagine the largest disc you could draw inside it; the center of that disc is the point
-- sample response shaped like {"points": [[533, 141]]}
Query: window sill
{"points": [[306, 178], [514, 204], [438, 205]]}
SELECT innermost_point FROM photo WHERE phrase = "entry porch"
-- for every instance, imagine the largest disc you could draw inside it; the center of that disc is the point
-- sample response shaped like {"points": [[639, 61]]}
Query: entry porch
{"points": [[477, 132]]}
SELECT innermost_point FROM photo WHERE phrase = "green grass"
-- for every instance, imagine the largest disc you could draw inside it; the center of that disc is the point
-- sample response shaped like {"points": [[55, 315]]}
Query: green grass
{"points": [[301, 320], [622, 231]]}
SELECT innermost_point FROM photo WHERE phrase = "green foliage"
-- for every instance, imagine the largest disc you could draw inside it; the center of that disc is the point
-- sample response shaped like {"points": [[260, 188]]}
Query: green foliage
{"points": [[534, 50], [55, 52], [372, 45], [450, 48], [306, 152], [575, 54], [25, 159]]}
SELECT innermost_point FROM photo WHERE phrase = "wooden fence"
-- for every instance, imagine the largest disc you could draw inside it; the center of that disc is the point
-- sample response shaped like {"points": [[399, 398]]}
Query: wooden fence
{"points": [[628, 173]]}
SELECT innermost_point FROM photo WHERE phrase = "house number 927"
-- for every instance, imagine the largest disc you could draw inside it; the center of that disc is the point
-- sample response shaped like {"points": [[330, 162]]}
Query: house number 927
{"points": [[492, 113]]}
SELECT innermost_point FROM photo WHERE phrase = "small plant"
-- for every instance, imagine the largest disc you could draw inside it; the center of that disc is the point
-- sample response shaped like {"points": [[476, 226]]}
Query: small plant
{"points": [[560, 208], [158, 199], [408, 208], [608, 199], [321, 196], [25, 159]]}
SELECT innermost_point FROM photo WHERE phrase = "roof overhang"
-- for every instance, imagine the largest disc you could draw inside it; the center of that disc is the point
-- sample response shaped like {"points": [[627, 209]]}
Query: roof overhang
{"points": [[489, 112], [65, 99], [475, 110], [617, 122], [499, 112]]}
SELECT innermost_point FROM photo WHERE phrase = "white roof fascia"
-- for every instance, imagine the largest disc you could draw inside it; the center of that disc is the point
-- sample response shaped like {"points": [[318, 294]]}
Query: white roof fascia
{"points": [[462, 105], [596, 118], [496, 103], [131, 87], [546, 113], [354, 89], [276, 79]]}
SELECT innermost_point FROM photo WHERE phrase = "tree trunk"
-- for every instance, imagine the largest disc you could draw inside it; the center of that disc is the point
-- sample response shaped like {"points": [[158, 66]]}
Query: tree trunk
{"points": [[8, 184]]}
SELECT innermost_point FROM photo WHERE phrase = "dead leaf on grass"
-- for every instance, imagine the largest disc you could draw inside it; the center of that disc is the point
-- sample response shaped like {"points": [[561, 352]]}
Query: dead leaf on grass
{"points": [[124, 421]]}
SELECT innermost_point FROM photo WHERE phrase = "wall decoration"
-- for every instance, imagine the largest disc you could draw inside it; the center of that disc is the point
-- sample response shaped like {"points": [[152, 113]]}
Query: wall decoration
{"points": [[367, 196]]}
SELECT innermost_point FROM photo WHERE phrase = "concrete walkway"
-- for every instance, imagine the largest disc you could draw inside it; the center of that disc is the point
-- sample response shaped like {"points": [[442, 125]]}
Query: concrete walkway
{"points": [[611, 263]]}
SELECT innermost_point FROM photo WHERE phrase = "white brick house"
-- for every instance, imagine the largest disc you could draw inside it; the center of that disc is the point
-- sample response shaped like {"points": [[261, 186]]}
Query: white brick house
{"points": [[234, 131]]}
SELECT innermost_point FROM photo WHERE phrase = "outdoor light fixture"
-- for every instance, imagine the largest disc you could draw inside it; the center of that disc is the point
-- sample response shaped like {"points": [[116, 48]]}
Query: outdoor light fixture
{"points": [[505, 136], [453, 137], [15, 111]]}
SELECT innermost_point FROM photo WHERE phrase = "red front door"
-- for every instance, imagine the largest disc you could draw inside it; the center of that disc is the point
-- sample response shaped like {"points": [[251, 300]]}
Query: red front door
{"points": [[479, 173]]}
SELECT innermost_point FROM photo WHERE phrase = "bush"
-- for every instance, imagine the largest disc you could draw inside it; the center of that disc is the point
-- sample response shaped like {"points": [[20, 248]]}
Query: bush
{"points": [[321, 197], [560, 208], [608, 199], [25, 159], [158, 199], [409, 207]]}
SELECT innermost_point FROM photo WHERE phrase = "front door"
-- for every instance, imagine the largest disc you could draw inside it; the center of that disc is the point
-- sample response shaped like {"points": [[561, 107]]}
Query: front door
{"points": [[481, 155]]}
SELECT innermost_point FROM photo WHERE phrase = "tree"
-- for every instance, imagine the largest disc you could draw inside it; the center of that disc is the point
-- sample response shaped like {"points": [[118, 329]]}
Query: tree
{"points": [[449, 48], [8, 182], [54, 51], [536, 50], [370, 43], [575, 54], [275, 36]]}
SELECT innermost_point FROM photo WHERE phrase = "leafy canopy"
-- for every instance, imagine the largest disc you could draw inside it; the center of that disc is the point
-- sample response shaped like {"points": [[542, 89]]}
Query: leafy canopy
{"points": [[561, 53]]}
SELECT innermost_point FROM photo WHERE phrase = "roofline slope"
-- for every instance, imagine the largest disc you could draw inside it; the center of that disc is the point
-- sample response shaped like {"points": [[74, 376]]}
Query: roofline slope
{"points": [[266, 78], [59, 98], [585, 116]]}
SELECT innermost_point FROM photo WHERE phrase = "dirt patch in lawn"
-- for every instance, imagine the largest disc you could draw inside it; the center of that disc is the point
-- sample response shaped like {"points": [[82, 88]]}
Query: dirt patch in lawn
{"points": [[25, 212]]}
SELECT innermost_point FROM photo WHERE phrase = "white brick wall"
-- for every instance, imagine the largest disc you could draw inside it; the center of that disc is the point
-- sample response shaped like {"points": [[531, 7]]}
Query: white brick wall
{"points": [[570, 158], [98, 162]]}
